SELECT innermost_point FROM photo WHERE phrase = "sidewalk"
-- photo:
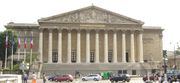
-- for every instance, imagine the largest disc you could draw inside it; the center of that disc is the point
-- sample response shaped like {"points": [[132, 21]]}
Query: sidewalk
{"points": [[37, 81]]}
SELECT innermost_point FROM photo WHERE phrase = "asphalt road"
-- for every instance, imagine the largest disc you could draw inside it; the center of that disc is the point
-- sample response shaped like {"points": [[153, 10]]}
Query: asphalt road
{"points": [[133, 80]]}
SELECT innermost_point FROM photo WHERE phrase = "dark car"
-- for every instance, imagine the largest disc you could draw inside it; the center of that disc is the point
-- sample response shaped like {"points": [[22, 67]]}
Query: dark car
{"points": [[172, 76], [51, 77], [151, 78], [120, 78], [66, 77]]}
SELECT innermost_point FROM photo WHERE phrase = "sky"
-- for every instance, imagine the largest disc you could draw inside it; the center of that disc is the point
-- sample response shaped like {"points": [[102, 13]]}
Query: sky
{"points": [[162, 13]]}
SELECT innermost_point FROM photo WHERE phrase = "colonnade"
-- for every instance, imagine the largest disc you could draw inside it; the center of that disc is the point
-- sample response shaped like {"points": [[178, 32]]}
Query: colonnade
{"points": [[97, 56]]}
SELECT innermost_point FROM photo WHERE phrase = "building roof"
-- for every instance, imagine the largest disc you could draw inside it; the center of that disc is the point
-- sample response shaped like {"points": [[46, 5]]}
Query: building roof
{"points": [[22, 25], [91, 14]]}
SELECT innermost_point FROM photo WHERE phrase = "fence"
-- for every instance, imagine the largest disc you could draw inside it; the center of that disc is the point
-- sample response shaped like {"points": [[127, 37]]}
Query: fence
{"points": [[10, 78]]}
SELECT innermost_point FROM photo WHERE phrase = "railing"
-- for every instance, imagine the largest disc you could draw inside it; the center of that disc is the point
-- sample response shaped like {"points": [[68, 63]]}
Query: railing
{"points": [[10, 78]]}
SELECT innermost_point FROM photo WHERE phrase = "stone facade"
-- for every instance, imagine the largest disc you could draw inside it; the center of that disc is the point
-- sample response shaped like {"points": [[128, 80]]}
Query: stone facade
{"points": [[93, 36]]}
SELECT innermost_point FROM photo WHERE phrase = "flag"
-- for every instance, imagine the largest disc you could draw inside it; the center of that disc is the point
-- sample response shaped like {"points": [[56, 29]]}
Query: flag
{"points": [[25, 41], [31, 41], [6, 39], [19, 41]]}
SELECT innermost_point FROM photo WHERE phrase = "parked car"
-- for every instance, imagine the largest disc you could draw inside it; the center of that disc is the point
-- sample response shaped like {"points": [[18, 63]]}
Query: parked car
{"points": [[95, 77], [151, 78], [122, 77], [106, 75], [172, 76], [51, 77], [66, 77]]}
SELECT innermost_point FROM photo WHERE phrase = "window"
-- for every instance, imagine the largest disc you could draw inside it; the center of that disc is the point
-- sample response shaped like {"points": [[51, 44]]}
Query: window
{"points": [[127, 57], [153, 71], [55, 57], [92, 56], [73, 56], [124, 71], [133, 72], [110, 54], [119, 71]]}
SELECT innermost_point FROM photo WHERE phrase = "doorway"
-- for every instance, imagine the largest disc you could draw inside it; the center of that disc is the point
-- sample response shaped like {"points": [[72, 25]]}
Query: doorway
{"points": [[127, 57]]}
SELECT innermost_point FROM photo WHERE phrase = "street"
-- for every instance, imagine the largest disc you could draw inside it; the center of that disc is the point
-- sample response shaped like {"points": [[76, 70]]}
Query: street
{"points": [[133, 80]]}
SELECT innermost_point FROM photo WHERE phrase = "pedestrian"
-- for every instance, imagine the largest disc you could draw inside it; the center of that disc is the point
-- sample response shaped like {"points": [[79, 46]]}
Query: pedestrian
{"points": [[44, 78], [34, 78], [25, 77]]}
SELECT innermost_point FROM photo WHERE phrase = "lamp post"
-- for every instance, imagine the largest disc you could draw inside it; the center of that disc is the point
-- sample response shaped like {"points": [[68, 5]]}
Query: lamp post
{"points": [[165, 65], [165, 70], [174, 66]]}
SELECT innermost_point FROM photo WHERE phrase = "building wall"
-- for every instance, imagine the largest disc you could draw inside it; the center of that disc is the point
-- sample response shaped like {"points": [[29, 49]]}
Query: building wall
{"points": [[152, 40]]}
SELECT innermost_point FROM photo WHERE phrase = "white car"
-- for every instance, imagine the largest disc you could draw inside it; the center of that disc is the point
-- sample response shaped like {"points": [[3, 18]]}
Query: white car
{"points": [[95, 77]]}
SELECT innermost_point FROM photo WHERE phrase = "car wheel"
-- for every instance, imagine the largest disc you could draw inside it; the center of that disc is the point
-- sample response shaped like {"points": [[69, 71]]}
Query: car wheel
{"points": [[69, 80], [56, 80], [95, 79], [83, 79], [112, 81], [128, 80]]}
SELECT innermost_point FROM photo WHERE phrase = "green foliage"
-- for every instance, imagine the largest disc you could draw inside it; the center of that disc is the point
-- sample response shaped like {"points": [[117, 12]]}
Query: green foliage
{"points": [[177, 51], [3, 45], [28, 58], [164, 53], [16, 67]]}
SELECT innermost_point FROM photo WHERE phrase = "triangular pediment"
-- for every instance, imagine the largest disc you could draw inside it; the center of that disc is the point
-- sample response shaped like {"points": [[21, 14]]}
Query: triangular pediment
{"points": [[91, 14]]}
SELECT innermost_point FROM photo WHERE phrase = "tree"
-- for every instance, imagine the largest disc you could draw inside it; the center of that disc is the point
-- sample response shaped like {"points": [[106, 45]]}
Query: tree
{"points": [[11, 36], [177, 51]]}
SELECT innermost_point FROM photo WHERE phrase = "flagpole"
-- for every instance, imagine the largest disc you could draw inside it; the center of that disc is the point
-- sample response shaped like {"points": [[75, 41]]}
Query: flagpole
{"points": [[12, 59], [31, 57], [25, 40], [5, 62], [31, 45], [18, 54], [19, 45], [24, 54], [5, 59], [12, 41]]}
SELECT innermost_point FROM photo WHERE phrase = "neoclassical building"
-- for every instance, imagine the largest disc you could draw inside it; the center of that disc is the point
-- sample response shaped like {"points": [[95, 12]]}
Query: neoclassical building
{"points": [[93, 39]]}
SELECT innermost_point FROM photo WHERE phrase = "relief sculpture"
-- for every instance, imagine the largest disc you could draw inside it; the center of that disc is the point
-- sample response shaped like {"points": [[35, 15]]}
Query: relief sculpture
{"points": [[92, 16]]}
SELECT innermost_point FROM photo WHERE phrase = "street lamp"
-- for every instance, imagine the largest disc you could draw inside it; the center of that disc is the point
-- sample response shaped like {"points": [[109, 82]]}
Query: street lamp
{"points": [[165, 59], [174, 66], [165, 70]]}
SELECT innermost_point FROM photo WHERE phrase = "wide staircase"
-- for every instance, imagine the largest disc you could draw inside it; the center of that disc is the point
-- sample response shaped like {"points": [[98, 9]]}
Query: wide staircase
{"points": [[88, 68], [85, 68]]}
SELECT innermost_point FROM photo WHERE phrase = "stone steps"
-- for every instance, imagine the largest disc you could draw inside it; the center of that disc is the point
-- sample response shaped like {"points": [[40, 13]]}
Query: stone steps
{"points": [[86, 68]]}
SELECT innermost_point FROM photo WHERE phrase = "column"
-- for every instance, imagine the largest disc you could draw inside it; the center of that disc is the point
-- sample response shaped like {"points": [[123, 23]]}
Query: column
{"points": [[132, 47], [105, 46], [123, 47], [50, 46], [140, 47], [41, 45], [87, 46], [97, 47], [78, 46], [69, 47], [40, 51], [115, 47], [60, 46]]}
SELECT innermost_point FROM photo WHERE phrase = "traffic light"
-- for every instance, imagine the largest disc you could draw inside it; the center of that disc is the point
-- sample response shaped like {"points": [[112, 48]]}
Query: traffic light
{"points": [[164, 53]]}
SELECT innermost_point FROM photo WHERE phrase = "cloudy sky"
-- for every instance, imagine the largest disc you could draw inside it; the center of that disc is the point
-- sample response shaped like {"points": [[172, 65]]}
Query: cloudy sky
{"points": [[163, 13]]}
